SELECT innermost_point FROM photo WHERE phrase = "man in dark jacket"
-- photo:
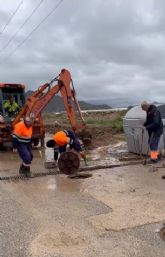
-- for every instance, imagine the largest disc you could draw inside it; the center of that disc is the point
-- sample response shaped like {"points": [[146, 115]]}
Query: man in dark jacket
{"points": [[154, 126]]}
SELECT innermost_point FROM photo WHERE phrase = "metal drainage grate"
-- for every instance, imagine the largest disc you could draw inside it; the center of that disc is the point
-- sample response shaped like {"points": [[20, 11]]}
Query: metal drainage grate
{"points": [[23, 177]]}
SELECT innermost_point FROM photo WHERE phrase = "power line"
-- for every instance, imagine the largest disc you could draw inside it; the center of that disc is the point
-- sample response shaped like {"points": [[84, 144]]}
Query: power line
{"points": [[26, 38], [11, 17], [27, 19]]}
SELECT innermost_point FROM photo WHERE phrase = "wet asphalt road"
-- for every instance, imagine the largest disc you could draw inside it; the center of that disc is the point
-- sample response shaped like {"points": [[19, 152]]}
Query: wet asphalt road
{"points": [[58, 217]]}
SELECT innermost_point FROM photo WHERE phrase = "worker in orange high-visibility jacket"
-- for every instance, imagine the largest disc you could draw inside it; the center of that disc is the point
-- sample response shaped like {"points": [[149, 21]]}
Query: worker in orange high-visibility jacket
{"points": [[62, 139], [22, 135]]}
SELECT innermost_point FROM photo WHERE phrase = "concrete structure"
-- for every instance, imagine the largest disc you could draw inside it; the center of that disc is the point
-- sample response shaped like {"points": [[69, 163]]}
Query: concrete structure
{"points": [[133, 122]]}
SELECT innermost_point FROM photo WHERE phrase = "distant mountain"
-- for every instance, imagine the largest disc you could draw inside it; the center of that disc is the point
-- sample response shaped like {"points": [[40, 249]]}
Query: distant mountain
{"points": [[56, 104]]}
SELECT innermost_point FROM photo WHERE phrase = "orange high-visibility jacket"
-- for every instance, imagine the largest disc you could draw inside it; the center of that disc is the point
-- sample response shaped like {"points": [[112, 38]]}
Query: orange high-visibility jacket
{"points": [[22, 133], [61, 138]]}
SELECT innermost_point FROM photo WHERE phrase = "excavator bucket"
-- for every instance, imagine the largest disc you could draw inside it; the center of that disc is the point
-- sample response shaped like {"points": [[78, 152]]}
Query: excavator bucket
{"points": [[68, 163], [85, 136]]}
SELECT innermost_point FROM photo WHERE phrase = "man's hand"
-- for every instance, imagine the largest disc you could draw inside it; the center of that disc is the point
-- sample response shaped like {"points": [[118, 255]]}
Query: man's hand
{"points": [[14, 150]]}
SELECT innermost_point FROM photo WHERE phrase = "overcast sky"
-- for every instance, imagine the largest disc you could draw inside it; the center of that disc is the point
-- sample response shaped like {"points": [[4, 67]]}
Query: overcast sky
{"points": [[114, 49]]}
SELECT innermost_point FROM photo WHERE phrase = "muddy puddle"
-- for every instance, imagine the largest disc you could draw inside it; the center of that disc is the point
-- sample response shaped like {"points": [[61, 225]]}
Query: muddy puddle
{"points": [[10, 162], [63, 184], [108, 154]]}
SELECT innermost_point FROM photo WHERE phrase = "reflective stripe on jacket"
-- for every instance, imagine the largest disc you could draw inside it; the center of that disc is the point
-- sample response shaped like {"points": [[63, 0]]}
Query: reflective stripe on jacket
{"points": [[22, 133]]}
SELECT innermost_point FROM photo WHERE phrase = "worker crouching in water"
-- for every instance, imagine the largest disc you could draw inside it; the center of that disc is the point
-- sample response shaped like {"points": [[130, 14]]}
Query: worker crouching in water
{"points": [[22, 135], [63, 139], [154, 126]]}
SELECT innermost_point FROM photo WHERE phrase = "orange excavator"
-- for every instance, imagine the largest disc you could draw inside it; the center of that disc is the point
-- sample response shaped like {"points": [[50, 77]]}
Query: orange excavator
{"points": [[35, 104]]}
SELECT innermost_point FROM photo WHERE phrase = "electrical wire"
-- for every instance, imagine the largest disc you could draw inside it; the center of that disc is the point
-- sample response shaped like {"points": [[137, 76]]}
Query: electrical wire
{"points": [[23, 24], [27, 37], [11, 17]]}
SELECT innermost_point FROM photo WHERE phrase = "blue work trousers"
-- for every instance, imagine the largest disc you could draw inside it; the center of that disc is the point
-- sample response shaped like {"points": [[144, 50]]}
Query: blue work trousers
{"points": [[25, 152], [154, 142]]}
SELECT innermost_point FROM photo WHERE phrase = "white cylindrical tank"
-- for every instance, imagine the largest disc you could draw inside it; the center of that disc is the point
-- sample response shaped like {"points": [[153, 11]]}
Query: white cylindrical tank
{"points": [[133, 123]]}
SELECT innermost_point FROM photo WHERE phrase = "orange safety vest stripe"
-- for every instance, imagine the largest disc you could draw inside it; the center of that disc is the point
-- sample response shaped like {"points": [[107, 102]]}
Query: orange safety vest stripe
{"points": [[22, 131], [61, 138]]}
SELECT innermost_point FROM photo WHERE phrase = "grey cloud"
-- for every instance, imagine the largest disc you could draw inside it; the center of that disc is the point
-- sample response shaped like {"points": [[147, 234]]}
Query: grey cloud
{"points": [[114, 49]]}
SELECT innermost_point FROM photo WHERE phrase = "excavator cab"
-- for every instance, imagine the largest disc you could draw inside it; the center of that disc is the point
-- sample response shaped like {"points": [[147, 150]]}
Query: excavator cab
{"points": [[17, 92], [8, 91]]}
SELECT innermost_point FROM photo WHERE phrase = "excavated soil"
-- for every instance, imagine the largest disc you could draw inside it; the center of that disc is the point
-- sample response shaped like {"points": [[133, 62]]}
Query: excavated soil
{"points": [[100, 136], [98, 127]]}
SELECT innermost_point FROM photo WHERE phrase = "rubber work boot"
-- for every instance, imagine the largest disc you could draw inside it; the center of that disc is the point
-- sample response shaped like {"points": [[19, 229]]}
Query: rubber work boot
{"points": [[22, 169], [28, 172], [151, 161]]}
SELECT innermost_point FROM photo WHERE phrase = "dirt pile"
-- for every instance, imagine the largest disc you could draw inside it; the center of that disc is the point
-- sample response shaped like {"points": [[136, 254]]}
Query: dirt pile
{"points": [[104, 128]]}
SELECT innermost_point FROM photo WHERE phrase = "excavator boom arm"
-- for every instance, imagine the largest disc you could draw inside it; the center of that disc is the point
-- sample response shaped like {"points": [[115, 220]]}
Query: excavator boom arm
{"points": [[39, 99]]}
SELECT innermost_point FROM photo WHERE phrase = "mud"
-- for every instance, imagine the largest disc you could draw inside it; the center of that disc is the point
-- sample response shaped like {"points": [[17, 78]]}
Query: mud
{"points": [[10, 162]]}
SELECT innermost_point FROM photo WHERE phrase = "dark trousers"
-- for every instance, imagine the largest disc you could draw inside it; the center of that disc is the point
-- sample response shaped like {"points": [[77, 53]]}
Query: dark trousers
{"points": [[57, 150], [25, 152], [154, 142]]}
